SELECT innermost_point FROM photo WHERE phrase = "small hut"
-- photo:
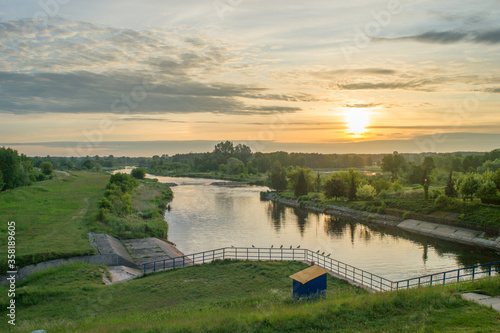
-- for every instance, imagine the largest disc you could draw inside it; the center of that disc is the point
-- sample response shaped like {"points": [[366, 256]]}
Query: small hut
{"points": [[309, 282]]}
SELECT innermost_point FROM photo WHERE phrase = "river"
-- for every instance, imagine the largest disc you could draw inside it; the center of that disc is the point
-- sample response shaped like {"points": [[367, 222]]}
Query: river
{"points": [[205, 217]]}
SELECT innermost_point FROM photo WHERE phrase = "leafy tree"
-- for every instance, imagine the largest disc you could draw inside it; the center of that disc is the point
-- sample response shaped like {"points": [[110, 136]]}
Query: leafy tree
{"points": [[450, 190], [293, 177], [487, 187], [468, 184], [9, 164], [496, 179], [2, 184], [224, 148], [366, 192], [277, 177], [335, 187], [234, 166], [301, 188], [428, 165], [46, 168], [138, 173], [243, 153], [392, 163]]}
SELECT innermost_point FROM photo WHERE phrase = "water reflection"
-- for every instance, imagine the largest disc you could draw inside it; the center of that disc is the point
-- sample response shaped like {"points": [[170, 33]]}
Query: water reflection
{"points": [[205, 217]]}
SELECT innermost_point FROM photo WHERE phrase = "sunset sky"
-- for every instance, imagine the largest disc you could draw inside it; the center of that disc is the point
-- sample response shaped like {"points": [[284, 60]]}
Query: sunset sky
{"points": [[90, 77]]}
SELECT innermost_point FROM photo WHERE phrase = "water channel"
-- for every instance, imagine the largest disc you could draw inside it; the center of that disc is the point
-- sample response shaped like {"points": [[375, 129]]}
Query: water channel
{"points": [[205, 217]]}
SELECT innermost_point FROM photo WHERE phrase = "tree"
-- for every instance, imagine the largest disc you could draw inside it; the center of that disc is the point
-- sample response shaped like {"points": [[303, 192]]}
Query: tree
{"points": [[392, 163], [234, 166], [335, 187], [224, 148], [277, 177], [301, 188], [293, 177], [381, 185], [496, 179], [46, 168], [487, 187], [243, 153], [9, 164], [138, 173], [468, 184], [450, 190]]}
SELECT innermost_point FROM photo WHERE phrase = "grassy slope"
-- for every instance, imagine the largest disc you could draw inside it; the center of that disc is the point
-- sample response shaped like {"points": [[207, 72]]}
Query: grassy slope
{"points": [[235, 297], [50, 216]]}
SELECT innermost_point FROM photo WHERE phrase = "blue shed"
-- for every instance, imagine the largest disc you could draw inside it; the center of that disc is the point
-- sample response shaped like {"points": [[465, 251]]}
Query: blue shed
{"points": [[309, 282]]}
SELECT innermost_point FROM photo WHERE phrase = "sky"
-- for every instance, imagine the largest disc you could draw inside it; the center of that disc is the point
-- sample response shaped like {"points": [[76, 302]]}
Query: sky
{"points": [[149, 77]]}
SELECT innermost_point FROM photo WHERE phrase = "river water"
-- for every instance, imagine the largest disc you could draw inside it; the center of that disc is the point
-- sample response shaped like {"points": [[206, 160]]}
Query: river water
{"points": [[205, 217]]}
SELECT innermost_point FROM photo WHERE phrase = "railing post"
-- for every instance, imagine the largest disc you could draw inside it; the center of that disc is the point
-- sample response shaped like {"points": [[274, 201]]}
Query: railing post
{"points": [[203, 258], [163, 264], [489, 270], [431, 279], [183, 261], [223, 253], [473, 272], [458, 275], [444, 278], [154, 266], [144, 268]]}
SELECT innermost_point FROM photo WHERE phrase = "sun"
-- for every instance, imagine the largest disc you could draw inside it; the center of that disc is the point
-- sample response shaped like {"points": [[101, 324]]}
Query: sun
{"points": [[357, 120]]}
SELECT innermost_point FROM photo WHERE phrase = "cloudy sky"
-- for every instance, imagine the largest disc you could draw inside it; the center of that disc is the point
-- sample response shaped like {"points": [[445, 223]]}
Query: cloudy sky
{"points": [[90, 77]]}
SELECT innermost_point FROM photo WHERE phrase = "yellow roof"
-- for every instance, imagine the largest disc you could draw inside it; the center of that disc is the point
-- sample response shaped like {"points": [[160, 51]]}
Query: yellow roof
{"points": [[308, 274]]}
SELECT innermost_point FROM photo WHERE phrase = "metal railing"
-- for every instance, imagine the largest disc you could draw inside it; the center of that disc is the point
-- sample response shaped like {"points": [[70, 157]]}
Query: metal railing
{"points": [[455, 275], [337, 268]]}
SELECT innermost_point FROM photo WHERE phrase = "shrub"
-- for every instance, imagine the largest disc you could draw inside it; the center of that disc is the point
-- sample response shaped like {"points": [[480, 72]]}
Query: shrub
{"points": [[381, 210], [406, 216], [46, 168], [442, 201], [366, 192], [436, 193], [138, 173]]}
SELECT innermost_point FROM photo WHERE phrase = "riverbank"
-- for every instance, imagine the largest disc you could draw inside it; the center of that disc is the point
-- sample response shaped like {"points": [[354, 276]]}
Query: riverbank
{"points": [[445, 232]]}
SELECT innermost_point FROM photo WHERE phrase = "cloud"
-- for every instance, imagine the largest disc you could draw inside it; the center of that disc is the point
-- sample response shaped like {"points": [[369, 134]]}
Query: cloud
{"points": [[72, 67], [491, 36]]}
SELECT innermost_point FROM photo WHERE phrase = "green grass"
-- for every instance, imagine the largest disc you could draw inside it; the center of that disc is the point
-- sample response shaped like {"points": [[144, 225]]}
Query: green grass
{"points": [[230, 296], [51, 217]]}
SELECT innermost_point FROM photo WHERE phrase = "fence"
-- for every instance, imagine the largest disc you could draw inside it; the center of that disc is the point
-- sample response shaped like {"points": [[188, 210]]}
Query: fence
{"points": [[342, 270], [338, 268], [456, 275]]}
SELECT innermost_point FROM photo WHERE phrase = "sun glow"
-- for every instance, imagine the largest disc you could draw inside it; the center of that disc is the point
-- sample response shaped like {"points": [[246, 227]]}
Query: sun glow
{"points": [[357, 120]]}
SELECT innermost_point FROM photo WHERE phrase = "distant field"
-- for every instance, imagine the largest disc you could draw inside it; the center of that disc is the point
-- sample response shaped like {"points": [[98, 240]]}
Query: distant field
{"points": [[50, 217], [228, 296]]}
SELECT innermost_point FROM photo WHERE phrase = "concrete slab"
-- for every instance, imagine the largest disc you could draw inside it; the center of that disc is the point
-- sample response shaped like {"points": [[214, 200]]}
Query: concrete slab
{"points": [[123, 273], [150, 249], [492, 302]]}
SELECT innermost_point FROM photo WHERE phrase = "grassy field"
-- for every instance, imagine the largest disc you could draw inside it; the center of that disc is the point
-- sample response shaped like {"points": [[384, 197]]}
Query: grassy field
{"points": [[230, 296], [51, 217]]}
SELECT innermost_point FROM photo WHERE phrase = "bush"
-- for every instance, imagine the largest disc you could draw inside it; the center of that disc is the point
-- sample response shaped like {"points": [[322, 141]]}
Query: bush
{"points": [[366, 192], [138, 173], [435, 193], [46, 168], [442, 201], [381, 210], [406, 216]]}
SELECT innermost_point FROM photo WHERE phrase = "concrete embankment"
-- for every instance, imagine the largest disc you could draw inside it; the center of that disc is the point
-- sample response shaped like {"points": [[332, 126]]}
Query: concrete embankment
{"points": [[447, 232], [441, 231]]}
